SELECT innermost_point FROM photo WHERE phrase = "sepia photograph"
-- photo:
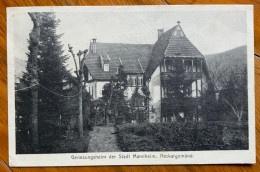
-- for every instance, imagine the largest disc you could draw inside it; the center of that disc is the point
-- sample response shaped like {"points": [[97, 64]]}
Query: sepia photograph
{"points": [[130, 85]]}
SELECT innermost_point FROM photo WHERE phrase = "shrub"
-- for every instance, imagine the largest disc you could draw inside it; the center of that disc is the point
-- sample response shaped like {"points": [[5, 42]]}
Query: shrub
{"points": [[132, 143], [177, 136]]}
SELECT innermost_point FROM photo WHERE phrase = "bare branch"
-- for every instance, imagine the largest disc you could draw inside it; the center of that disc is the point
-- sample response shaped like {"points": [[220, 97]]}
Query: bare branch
{"points": [[235, 112], [73, 55]]}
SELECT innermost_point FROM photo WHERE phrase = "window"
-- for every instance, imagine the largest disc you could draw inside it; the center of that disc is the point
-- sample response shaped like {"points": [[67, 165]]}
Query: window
{"points": [[90, 91], [194, 66], [169, 68], [106, 67], [129, 80], [165, 92], [198, 66], [140, 80], [188, 91], [134, 80], [189, 66]]}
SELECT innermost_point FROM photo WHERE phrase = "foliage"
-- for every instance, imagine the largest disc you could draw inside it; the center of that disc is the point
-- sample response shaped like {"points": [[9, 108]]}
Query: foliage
{"points": [[52, 74], [177, 85], [115, 98], [210, 108], [139, 105], [73, 144], [175, 136], [228, 73], [88, 111], [56, 113], [101, 112], [233, 95]]}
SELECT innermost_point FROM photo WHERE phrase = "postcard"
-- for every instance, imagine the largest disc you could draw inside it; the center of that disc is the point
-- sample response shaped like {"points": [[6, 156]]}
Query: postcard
{"points": [[131, 85]]}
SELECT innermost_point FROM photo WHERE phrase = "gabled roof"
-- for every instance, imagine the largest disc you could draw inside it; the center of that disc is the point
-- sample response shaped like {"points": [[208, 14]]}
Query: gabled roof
{"points": [[128, 54], [172, 43]]}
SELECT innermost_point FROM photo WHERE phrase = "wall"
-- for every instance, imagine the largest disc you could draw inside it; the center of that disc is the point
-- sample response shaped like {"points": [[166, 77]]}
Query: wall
{"points": [[196, 88], [95, 88], [90, 87], [155, 90], [99, 88], [129, 92]]}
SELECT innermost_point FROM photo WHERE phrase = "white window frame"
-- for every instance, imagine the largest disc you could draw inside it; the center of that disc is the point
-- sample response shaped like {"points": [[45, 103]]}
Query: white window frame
{"points": [[140, 81], [106, 67]]}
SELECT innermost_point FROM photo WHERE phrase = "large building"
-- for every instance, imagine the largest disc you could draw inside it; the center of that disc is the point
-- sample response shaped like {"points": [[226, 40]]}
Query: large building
{"points": [[149, 65], [103, 60], [173, 46]]}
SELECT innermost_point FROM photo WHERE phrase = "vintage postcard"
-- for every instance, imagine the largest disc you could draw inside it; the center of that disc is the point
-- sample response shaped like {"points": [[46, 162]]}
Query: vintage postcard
{"points": [[131, 85]]}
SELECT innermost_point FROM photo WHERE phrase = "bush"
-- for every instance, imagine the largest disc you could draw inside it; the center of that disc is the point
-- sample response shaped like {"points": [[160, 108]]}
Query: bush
{"points": [[132, 143], [177, 136], [65, 145]]}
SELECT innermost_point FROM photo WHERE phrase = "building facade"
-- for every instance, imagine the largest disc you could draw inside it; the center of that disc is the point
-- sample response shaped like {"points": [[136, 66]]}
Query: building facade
{"points": [[152, 66], [173, 47], [104, 59]]}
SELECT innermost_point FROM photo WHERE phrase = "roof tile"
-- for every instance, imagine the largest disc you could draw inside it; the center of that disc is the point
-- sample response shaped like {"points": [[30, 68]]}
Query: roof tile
{"points": [[128, 53], [171, 45]]}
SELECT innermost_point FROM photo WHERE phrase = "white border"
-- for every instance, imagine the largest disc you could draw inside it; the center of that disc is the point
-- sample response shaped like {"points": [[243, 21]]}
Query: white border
{"points": [[200, 157]]}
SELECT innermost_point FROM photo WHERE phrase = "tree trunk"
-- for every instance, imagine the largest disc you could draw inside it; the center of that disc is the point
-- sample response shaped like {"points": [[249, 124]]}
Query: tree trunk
{"points": [[239, 122], [34, 119], [81, 134], [106, 117], [34, 38]]}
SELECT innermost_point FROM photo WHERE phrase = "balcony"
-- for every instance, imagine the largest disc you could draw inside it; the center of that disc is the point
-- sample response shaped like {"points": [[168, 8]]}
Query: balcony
{"points": [[187, 75]]}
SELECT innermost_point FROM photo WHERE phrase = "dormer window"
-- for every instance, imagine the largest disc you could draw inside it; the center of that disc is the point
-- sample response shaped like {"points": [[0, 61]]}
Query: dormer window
{"points": [[140, 80], [105, 60], [133, 80], [106, 67]]}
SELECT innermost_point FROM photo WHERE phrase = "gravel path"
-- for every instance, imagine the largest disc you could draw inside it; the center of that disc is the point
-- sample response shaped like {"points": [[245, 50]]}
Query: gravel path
{"points": [[101, 140]]}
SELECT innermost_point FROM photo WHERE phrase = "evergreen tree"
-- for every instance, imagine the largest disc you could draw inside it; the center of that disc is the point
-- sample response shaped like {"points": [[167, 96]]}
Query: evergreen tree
{"points": [[178, 87], [105, 101], [139, 104], [119, 105], [52, 74]]}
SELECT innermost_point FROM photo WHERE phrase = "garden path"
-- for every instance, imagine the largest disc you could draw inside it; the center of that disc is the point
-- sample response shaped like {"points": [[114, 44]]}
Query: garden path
{"points": [[102, 140]]}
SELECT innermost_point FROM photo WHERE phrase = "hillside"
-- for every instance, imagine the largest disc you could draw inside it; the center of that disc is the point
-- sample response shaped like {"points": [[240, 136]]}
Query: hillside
{"points": [[220, 65], [234, 56]]}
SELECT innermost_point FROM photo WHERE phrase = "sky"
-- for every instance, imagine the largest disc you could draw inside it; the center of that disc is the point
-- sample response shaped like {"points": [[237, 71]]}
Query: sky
{"points": [[210, 31]]}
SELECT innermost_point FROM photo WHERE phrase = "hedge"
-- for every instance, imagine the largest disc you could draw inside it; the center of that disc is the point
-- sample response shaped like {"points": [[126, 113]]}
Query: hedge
{"points": [[178, 137]]}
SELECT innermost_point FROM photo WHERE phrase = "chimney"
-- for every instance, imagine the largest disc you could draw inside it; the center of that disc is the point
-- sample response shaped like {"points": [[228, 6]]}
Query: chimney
{"points": [[160, 32], [93, 46]]}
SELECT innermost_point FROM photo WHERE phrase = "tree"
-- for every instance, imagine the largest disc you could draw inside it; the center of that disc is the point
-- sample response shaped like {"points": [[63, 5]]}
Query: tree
{"points": [[45, 75], [136, 101], [230, 82], [119, 105], [52, 76], [106, 101], [177, 85], [80, 74], [27, 103], [234, 92], [139, 104]]}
